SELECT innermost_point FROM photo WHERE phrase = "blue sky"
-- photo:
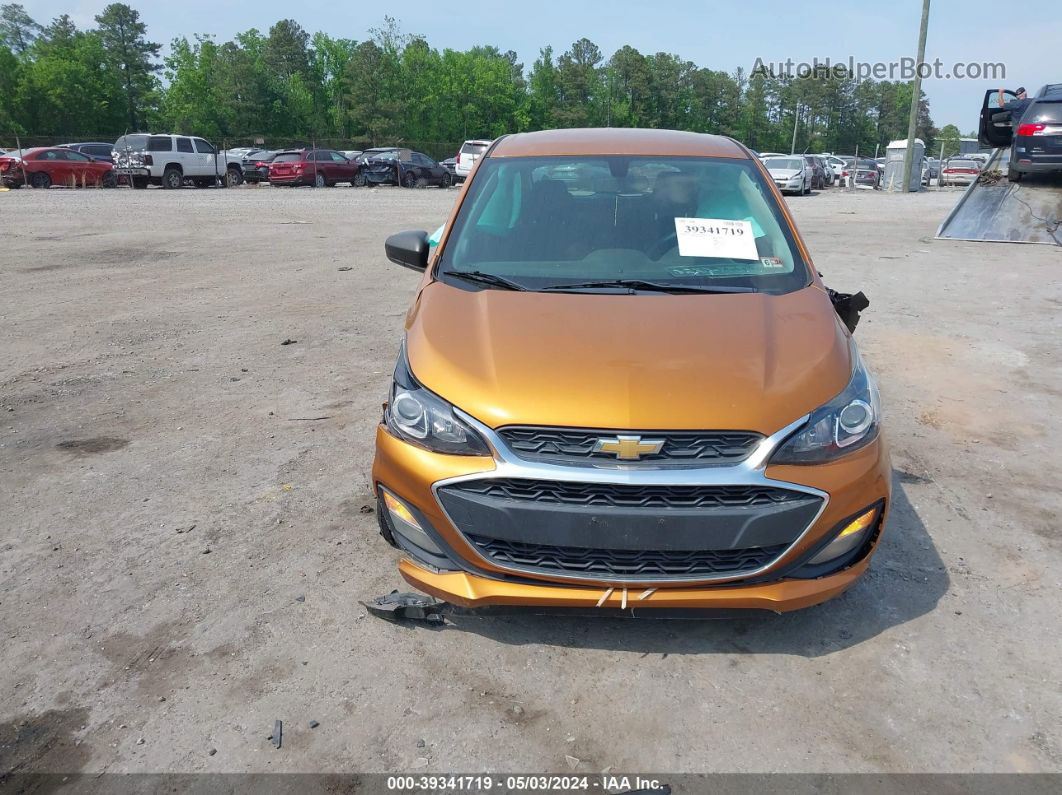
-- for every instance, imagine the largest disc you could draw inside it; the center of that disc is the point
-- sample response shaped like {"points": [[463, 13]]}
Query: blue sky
{"points": [[718, 35]]}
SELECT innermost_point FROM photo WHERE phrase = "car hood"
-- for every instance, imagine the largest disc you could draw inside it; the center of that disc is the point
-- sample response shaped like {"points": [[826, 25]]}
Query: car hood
{"points": [[642, 362]]}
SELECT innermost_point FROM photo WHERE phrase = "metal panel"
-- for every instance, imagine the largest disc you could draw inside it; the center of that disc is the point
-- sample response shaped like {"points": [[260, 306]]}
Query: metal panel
{"points": [[996, 210]]}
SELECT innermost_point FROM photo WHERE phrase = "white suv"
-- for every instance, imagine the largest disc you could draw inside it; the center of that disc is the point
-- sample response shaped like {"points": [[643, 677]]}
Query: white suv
{"points": [[470, 152], [171, 160]]}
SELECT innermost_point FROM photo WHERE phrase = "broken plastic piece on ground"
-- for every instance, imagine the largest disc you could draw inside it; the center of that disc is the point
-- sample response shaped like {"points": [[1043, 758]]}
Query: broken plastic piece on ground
{"points": [[396, 606], [278, 733]]}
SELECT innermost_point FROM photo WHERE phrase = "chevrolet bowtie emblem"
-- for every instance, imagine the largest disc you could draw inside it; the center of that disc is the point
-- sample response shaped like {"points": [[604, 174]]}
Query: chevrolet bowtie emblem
{"points": [[628, 448]]}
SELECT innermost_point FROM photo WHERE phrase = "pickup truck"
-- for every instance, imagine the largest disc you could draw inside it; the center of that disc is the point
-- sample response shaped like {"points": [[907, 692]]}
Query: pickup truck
{"points": [[172, 160]]}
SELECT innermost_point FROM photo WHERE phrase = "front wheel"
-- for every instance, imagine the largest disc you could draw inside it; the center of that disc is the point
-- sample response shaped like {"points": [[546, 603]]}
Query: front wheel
{"points": [[359, 180], [409, 180], [109, 180], [140, 183], [233, 178], [40, 180], [1013, 175], [319, 180], [445, 182]]}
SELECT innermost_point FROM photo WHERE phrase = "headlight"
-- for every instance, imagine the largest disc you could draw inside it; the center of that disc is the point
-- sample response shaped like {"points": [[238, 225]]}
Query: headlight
{"points": [[425, 419], [846, 423]]}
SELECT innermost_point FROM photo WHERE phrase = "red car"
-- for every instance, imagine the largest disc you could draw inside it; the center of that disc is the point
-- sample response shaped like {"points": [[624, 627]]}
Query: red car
{"points": [[47, 166], [320, 167]]}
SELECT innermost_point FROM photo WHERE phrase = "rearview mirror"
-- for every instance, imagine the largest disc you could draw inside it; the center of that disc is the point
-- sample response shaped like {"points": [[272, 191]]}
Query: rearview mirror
{"points": [[408, 249]]}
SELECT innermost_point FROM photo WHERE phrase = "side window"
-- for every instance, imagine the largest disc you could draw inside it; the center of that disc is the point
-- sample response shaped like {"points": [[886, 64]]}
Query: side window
{"points": [[184, 145], [160, 143], [338, 157], [77, 157], [203, 147], [421, 160], [320, 157], [99, 151]]}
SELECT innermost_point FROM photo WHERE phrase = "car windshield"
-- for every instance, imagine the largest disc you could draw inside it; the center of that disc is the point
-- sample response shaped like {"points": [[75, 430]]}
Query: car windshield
{"points": [[783, 162], [548, 222], [132, 143], [288, 157], [473, 149]]}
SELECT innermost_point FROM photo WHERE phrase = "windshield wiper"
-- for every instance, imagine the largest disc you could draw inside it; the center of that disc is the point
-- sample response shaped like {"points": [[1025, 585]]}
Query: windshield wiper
{"points": [[479, 277], [639, 284]]}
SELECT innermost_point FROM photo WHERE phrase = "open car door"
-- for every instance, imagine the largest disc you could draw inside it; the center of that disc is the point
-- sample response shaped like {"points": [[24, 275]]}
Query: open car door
{"points": [[996, 127]]}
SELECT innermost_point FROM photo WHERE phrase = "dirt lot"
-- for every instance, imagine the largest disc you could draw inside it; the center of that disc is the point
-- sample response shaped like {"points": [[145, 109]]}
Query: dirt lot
{"points": [[183, 535]]}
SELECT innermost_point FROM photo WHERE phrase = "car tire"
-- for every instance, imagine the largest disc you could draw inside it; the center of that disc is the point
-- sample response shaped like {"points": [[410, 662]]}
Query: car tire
{"points": [[319, 180], [109, 180], [359, 181], [445, 182], [1013, 175], [140, 183], [172, 178], [409, 180], [233, 178], [39, 179]]}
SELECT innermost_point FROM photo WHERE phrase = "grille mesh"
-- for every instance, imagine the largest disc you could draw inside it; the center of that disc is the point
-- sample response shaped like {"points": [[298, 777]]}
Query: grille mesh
{"points": [[627, 496], [568, 445], [624, 563]]}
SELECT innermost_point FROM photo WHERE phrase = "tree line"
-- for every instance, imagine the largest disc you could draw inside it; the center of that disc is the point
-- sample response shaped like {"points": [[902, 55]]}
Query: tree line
{"points": [[286, 85]]}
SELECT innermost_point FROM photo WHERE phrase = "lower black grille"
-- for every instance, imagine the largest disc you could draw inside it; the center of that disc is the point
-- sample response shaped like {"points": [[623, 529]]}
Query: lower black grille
{"points": [[627, 496], [620, 563], [679, 448]]}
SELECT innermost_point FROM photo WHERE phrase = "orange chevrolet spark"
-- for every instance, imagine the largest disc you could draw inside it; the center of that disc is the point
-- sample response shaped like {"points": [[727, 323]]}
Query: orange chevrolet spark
{"points": [[623, 385]]}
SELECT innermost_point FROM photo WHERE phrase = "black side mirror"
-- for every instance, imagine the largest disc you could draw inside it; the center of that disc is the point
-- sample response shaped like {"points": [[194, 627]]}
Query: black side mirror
{"points": [[408, 249]]}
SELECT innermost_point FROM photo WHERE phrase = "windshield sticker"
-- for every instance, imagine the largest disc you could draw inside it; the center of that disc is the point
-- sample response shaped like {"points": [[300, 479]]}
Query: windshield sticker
{"points": [[716, 237]]}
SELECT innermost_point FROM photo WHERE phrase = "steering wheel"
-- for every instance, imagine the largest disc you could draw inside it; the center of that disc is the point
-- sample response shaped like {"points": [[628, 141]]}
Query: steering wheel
{"points": [[662, 245]]}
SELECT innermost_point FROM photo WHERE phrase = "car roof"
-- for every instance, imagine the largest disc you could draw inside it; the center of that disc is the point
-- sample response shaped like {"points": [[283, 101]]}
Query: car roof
{"points": [[617, 141]]}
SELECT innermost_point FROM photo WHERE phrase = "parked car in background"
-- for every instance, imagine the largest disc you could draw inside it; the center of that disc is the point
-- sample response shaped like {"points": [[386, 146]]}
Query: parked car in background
{"points": [[790, 174], [172, 160], [470, 152], [47, 166], [934, 167], [406, 168], [255, 165], [241, 152], [350, 154], [764, 155], [959, 171], [97, 151], [322, 168], [379, 166], [868, 174], [818, 172], [838, 166], [450, 164]]}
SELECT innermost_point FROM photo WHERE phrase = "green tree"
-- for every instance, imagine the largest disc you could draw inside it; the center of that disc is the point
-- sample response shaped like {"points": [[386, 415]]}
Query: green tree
{"points": [[580, 87], [951, 138], [131, 54], [18, 31]]}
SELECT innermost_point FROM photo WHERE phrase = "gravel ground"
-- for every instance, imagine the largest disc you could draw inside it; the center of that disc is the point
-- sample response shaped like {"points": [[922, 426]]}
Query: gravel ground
{"points": [[184, 534]]}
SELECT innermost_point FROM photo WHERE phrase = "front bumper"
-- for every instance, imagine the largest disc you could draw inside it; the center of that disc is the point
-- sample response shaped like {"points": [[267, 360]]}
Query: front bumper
{"points": [[469, 576]]}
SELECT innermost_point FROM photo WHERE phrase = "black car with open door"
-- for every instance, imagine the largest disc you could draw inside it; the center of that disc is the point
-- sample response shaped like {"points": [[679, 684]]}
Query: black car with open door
{"points": [[1035, 139]]}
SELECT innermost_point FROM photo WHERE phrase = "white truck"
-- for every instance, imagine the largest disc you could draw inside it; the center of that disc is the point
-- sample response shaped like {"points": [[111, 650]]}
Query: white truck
{"points": [[172, 160]]}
